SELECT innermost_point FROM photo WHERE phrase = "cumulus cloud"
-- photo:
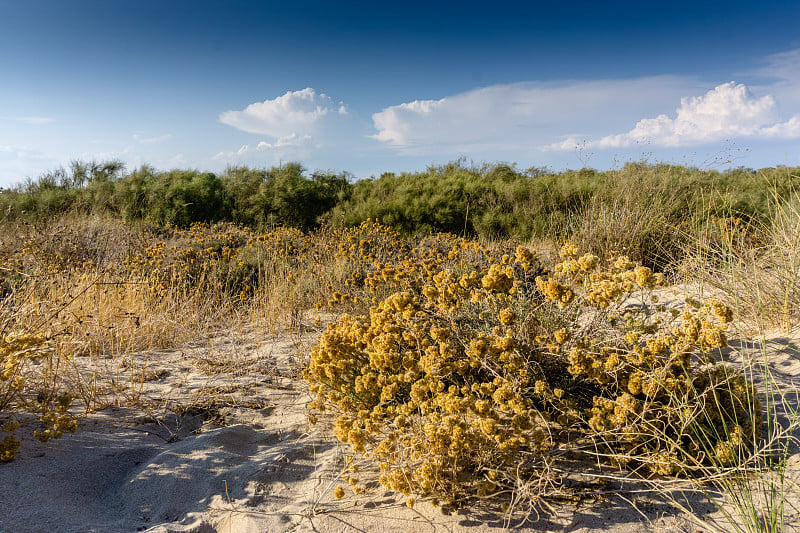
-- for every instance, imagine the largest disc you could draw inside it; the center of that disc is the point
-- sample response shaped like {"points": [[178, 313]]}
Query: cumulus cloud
{"points": [[283, 142], [284, 146], [519, 116], [787, 130], [395, 124], [295, 113], [728, 110]]}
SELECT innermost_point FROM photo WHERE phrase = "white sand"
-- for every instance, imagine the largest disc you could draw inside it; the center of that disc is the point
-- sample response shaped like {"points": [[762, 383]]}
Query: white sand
{"points": [[267, 469]]}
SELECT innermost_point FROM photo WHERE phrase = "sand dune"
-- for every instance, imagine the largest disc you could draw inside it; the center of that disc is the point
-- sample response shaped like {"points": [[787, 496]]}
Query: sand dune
{"points": [[224, 445]]}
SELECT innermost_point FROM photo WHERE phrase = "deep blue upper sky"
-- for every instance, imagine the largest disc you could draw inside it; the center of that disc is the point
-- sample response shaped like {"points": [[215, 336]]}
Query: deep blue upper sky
{"points": [[368, 87]]}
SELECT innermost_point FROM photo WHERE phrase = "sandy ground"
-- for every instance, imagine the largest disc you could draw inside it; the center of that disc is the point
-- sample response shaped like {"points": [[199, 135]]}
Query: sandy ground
{"points": [[224, 445]]}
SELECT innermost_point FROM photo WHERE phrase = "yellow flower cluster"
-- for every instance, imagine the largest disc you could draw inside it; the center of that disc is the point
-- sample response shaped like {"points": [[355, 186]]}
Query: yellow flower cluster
{"points": [[425, 397], [15, 351], [654, 373], [554, 291], [467, 371], [57, 419], [17, 354], [8, 448]]}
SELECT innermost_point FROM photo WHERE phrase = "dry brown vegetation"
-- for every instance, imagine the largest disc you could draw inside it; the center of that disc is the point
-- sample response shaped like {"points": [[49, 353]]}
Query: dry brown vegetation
{"points": [[459, 371]]}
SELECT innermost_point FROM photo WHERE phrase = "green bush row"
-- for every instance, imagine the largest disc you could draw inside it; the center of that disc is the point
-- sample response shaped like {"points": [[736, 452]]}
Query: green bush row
{"points": [[254, 197], [491, 201]]}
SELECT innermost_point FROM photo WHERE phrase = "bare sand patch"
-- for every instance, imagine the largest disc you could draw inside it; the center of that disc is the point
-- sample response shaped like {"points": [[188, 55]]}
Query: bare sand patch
{"points": [[221, 442]]}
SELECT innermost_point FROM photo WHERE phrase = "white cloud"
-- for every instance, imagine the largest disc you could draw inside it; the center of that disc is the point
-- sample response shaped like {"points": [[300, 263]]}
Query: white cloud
{"points": [[783, 74], [175, 161], [20, 162], [294, 113], [784, 65], [501, 118], [728, 110], [223, 156], [285, 146], [151, 140], [283, 142], [29, 120], [127, 152], [787, 130], [395, 124]]}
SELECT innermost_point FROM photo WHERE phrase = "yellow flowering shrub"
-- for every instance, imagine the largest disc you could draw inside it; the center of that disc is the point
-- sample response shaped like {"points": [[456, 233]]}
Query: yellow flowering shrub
{"points": [[473, 375], [18, 354]]}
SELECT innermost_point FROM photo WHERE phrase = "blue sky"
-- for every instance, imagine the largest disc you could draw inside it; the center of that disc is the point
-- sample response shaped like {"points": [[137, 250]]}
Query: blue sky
{"points": [[385, 86]]}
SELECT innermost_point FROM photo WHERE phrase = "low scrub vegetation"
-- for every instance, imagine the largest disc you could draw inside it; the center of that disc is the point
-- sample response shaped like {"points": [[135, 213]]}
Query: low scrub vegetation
{"points": [[482, 375], [493, 333], [634, 210]]}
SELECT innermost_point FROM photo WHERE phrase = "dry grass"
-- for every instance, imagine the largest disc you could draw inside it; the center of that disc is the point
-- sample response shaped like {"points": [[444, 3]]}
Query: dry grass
{"points": [[643, 220], [755, 266], [95, 296]]}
